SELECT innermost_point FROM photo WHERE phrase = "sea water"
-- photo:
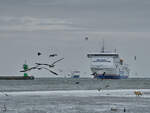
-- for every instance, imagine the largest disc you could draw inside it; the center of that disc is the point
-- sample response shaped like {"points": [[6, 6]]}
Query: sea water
{"points": [[68, 95]]}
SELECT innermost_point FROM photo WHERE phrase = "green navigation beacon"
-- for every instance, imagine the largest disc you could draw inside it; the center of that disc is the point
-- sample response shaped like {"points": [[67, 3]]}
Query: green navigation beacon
{"points": [[25, 67], [25, 75]]}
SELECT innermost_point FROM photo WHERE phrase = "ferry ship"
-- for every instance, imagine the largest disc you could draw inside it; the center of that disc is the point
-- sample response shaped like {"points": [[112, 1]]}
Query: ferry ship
{"points": [[108, 65]]}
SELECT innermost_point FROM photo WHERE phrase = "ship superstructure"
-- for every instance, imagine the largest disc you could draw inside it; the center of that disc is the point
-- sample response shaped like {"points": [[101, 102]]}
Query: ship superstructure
{"points": [[108, 65]]}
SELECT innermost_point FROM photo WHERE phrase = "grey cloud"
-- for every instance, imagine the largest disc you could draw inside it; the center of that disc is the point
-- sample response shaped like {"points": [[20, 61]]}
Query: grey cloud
{"points": [[31, 24], [100, 15]]}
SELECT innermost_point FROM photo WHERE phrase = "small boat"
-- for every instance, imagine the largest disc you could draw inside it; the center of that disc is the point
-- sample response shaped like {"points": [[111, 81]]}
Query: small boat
{"points": [[75, 74]]}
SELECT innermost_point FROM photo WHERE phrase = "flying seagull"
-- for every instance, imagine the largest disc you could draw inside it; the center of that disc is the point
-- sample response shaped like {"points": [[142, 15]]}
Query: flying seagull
{"points": [[134, 57], [94, 74], [50, 65], [39, 53], [86, 38], [35, 67], [57, 61], [52, 55], [44, 64], [48, 70]]}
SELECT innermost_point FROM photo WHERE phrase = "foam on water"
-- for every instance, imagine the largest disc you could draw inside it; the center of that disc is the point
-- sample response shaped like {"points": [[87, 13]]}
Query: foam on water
{"points": [[84, 93]]}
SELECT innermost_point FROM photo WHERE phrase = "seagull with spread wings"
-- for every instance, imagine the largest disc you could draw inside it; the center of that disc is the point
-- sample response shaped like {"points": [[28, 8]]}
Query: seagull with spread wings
{"points": [[52, 55], [39, 68], [35, 67], [50, 65], [48, 70]]}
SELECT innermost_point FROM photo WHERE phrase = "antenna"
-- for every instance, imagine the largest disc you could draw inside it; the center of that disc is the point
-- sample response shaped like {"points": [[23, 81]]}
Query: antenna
{"points": [[103, 47], [25, 61], [115, 50]]}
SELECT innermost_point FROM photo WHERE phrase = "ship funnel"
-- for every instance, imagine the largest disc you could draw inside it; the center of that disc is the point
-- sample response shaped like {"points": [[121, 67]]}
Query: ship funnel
{"points": [[121, 61]]}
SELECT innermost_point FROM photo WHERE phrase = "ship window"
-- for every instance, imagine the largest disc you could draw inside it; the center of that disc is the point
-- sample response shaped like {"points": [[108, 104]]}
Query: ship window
{"points": [[95, 55]]}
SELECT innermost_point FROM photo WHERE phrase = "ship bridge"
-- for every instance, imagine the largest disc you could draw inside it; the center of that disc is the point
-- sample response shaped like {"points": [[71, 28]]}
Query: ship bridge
{"points": [[103, 59], [91, 55]]}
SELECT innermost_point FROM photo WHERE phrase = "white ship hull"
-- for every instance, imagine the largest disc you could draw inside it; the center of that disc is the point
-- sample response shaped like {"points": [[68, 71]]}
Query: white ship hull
{"points": [[108, 66]]}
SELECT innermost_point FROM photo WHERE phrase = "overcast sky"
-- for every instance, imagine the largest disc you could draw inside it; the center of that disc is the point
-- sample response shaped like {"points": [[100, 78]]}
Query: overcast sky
{"points": [[59, 26]]}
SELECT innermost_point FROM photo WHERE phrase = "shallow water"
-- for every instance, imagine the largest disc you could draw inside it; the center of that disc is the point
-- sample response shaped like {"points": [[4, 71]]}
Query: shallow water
{"points": [[47, 84], [85, 95]]}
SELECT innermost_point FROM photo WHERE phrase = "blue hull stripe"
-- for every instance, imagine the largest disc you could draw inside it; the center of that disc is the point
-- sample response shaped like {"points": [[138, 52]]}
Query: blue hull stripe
{"points": [[111, 77]]}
